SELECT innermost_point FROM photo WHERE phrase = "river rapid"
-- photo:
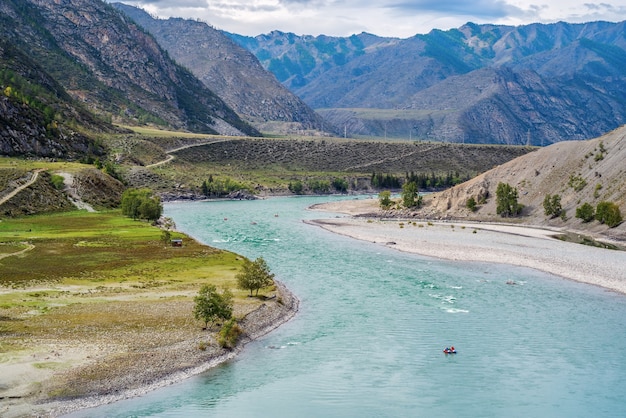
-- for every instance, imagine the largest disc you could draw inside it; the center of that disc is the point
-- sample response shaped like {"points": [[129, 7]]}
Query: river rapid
{"points": [[372, 325]]}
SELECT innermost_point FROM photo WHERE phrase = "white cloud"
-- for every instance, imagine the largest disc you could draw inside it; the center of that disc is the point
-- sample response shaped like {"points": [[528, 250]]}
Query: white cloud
{"points": [[401, 18]]}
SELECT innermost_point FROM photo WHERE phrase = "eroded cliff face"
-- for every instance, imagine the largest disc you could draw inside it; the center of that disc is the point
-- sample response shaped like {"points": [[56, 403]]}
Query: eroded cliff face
{"points": [[578, 171]]}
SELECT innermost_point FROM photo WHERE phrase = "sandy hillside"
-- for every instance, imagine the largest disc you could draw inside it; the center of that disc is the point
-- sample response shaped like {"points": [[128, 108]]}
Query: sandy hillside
{"points": [[599, 165]]}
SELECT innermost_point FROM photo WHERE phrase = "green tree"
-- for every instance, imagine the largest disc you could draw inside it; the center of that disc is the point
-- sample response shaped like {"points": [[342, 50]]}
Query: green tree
{"points": [[211, 305], [506, 201], [340, 185], [254, 275], [585, 212], [410, 195], [552, 205], [608, 213], [296, 187], [141, 204]]}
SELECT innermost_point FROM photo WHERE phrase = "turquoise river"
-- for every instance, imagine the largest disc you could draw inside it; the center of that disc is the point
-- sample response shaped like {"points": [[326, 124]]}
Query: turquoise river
{"points": [[372, 325]]}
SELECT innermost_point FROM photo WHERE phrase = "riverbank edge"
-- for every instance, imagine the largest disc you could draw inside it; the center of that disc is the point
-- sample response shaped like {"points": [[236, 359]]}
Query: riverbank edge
{"points": [[602, 273], [255, 325]]}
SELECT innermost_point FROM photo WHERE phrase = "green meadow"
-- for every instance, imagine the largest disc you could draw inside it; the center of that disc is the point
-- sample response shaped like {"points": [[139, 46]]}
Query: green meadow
{"points": [[65, 276]]}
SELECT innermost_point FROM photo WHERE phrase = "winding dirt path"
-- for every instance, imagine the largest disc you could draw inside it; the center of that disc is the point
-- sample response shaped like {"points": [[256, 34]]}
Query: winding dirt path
{"points": [[171, 157], [32, 180], [29, 248]]}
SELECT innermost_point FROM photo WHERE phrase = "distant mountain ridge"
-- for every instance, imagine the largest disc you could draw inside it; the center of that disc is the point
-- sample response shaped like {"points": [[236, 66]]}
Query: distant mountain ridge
{"points": [[534, 84], [230, 71]]}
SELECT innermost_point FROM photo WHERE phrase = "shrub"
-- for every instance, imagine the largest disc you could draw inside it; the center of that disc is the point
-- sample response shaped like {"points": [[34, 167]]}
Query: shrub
{"points": [[608, 213], [229, 334], [576, 182], [57, 181], [585, 212], [384, 199], [296, 187], [471, 204], [552, 205]]}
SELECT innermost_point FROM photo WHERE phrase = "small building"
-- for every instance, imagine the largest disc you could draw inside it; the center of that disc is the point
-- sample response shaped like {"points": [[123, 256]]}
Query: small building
{"points": [[178, 242]]}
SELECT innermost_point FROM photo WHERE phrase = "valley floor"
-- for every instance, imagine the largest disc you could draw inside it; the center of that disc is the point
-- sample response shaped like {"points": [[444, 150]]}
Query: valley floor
{"points": [[524, 246]]}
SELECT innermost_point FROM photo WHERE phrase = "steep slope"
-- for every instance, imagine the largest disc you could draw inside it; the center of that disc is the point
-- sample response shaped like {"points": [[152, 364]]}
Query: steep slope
{"points": [[232, 72], [578, 171], [538, 83], [106, 61], [37, 116]]}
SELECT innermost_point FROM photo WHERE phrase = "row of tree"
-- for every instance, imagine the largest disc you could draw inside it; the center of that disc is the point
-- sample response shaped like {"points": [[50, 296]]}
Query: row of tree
{"points": [[422, 180], [221, 186], [318, 186]]}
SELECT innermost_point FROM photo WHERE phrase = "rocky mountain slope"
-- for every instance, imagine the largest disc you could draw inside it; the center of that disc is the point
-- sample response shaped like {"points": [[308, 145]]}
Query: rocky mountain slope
{"points": [[113, 67], [37, 116], [231, 71], [578, 171], [536, 84]]}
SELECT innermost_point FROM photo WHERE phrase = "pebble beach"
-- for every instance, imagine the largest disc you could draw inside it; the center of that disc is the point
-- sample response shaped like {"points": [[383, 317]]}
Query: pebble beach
{"points": [[523, 246]]}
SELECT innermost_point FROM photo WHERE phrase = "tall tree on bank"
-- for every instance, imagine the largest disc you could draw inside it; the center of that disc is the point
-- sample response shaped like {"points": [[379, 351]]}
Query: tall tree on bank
{"points": [[254, 275], [212, 305], [506, 201]]}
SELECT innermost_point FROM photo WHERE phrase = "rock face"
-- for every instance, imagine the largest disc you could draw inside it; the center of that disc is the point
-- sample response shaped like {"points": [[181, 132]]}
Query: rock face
{"points": [[35, 112], [230, 71], [113, 67], [535, 84]]}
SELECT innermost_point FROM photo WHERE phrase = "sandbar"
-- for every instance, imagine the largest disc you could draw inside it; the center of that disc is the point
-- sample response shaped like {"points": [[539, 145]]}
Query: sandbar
{"points": [[523, 246]]}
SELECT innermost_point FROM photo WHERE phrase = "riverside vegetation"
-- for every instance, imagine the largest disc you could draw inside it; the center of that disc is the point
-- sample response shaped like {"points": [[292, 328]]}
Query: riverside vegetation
{"points": [[87, 299]]}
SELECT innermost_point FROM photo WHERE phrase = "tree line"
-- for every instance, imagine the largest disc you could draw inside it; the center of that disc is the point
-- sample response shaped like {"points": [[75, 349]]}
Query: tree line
{"points": [[421, 180]]}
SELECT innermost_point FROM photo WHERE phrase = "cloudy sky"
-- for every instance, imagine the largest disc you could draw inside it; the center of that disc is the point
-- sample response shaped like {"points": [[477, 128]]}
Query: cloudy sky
{"points": [[399, 18]]}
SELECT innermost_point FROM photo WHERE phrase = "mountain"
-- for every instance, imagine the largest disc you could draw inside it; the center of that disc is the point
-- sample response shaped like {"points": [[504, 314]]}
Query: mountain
{"points": [[37, 116], [579, 172], [229, 70], [534, 84], [112, 67]]}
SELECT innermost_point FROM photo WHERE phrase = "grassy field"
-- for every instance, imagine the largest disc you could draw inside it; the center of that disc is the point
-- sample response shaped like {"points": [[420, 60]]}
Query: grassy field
{"points": [[77, 288]]}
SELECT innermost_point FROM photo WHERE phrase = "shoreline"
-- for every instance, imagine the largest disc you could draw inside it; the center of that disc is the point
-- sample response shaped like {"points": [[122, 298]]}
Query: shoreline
{"points": [[522, 246], [256, 324]]}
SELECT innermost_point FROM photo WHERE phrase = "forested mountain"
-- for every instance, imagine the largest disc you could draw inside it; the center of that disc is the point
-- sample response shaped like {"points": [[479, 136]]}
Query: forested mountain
{"points": [[535, 84], [90, 58], [231, 71]]}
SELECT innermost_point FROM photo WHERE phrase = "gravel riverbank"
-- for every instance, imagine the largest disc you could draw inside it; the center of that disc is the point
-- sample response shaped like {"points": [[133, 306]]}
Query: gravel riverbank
{"points": [[135, 373]]}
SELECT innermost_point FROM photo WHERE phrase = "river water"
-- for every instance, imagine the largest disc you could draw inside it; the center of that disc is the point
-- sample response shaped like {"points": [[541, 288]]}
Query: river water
{"points": [[373, 322]]}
